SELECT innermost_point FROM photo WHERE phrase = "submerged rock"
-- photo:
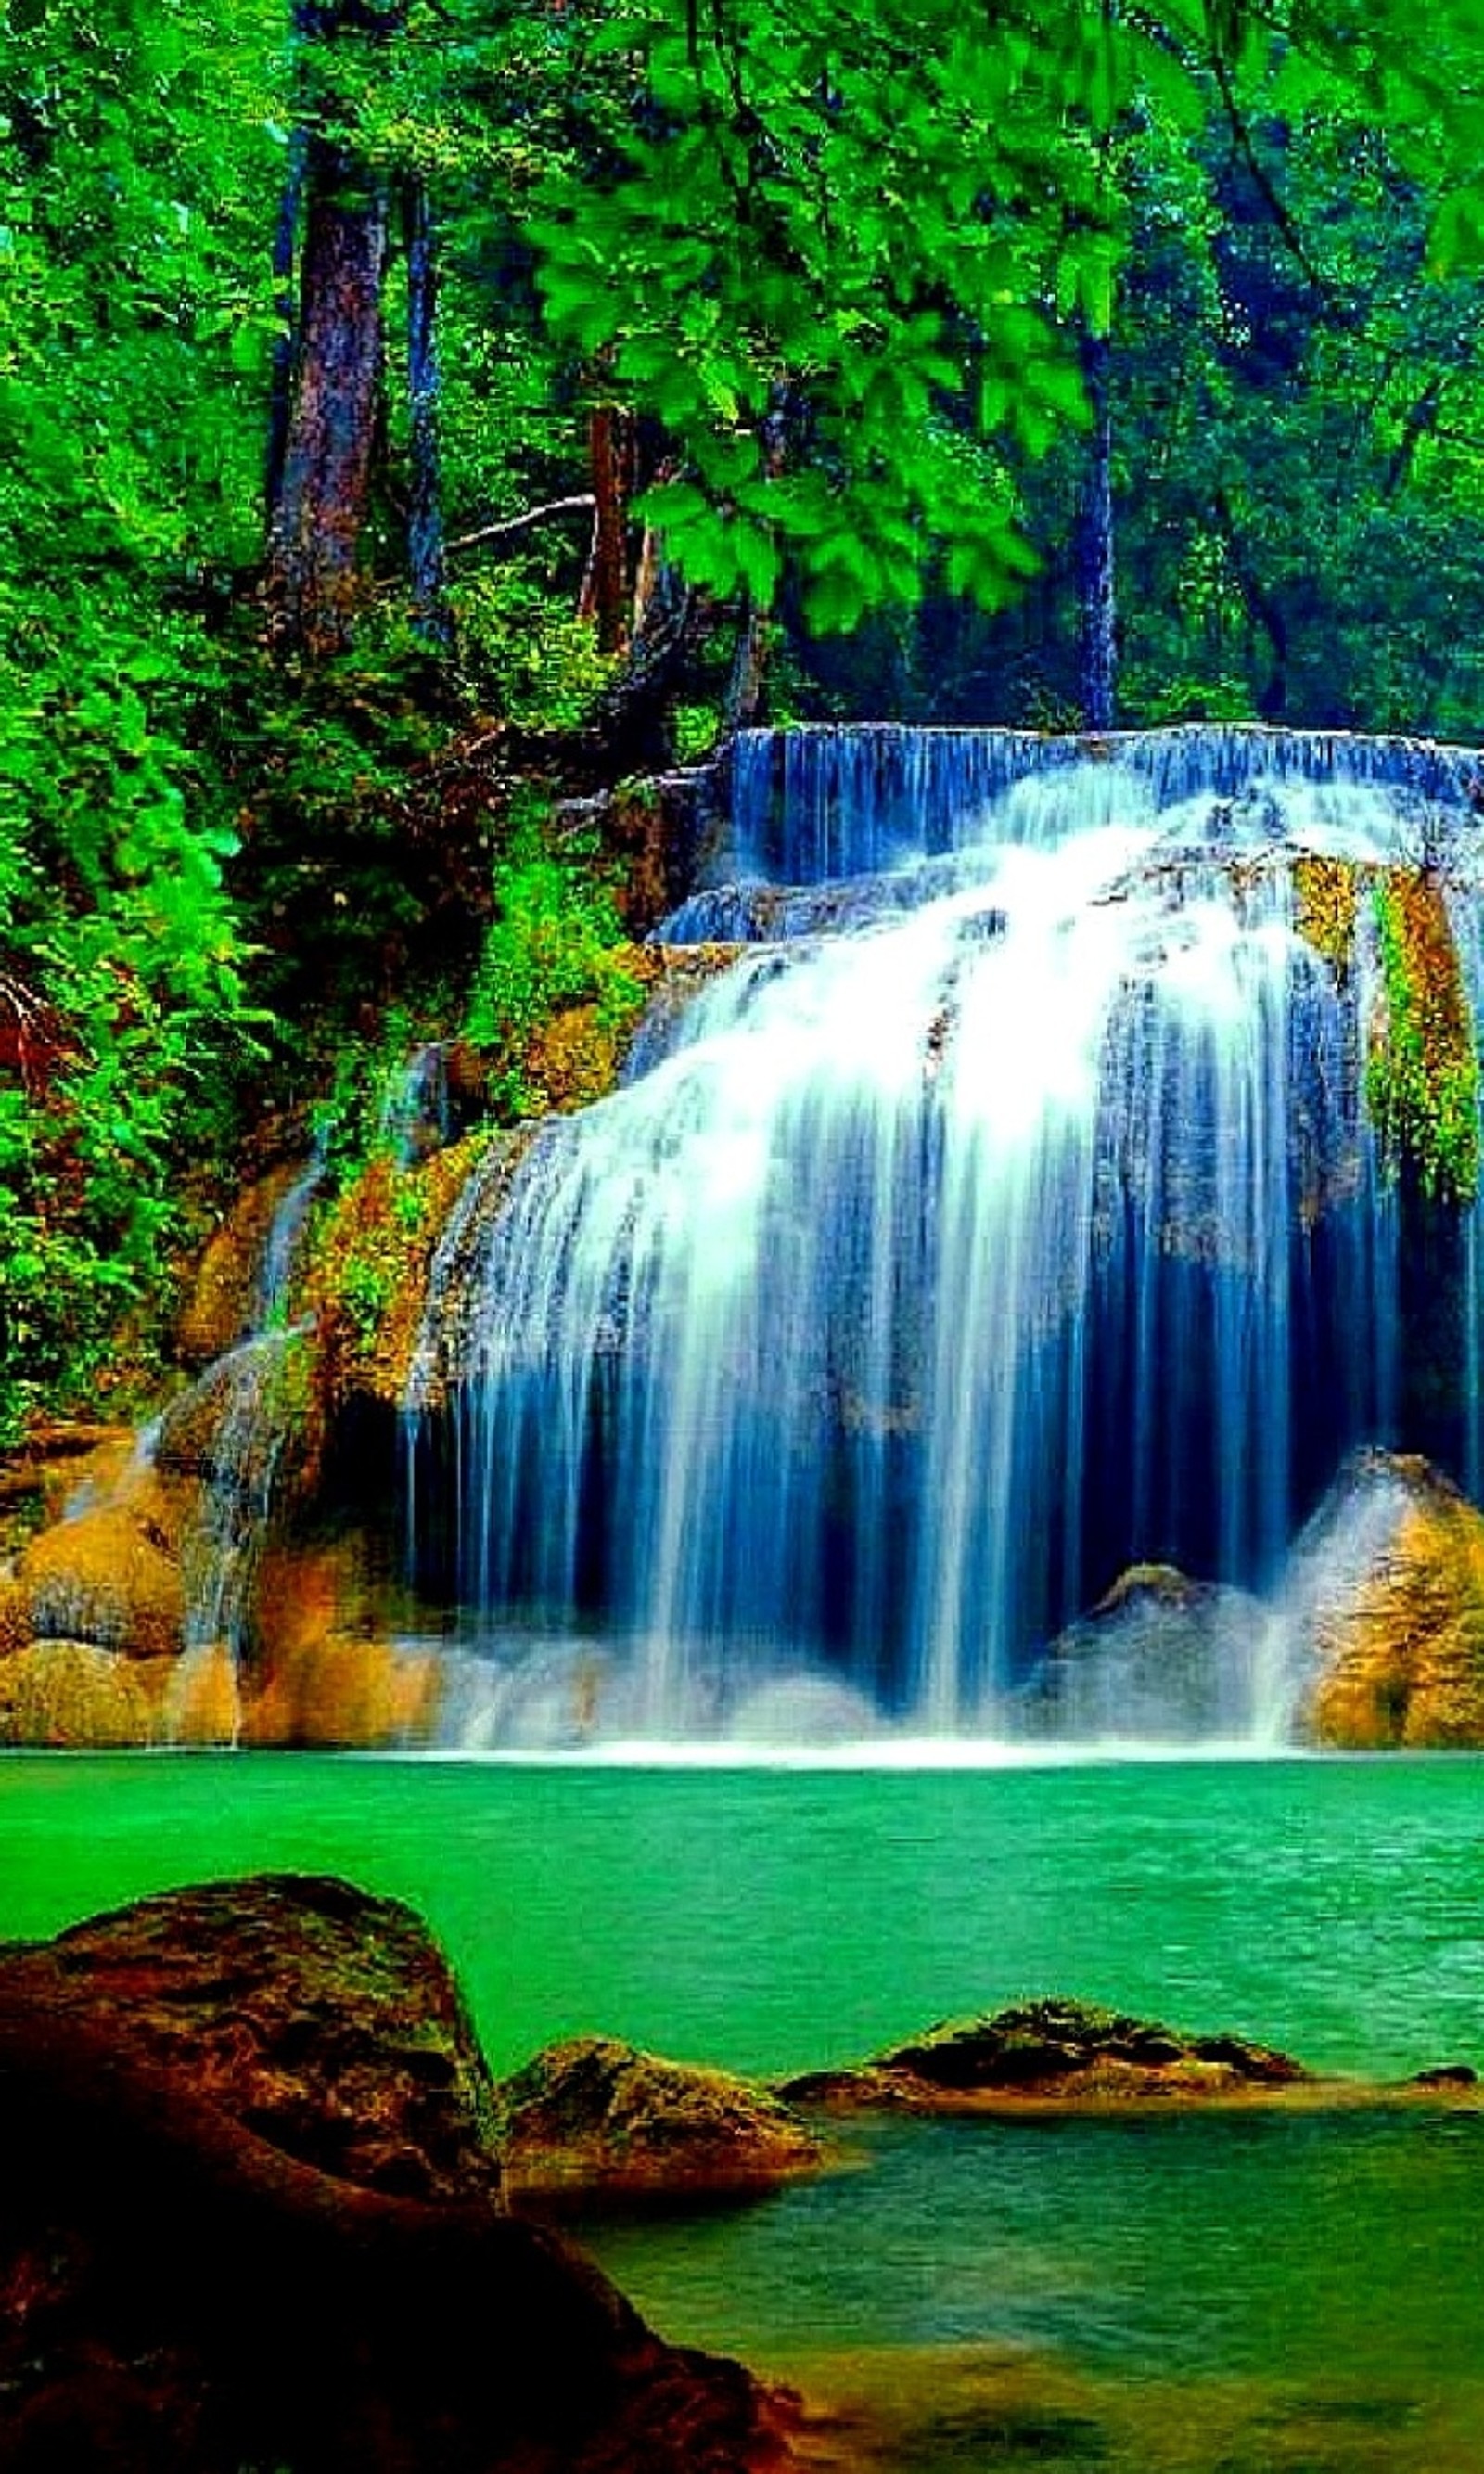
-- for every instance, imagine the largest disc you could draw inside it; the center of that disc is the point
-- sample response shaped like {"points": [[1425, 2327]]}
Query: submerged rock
{"points": [[596, 2114], [1159, 1659], [251, 2217], [1385, 1610], [1056, 2051]]}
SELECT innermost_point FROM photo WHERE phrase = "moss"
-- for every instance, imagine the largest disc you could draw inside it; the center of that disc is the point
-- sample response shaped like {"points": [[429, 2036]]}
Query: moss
{"points": [[1422, 1071], [72, 1695], [1327, 902], [367, 1279]]}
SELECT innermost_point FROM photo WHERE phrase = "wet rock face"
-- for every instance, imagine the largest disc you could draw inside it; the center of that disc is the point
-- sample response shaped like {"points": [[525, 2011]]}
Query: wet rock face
{"points": [[596, 2114], [1387, 1610], [250, 2218], [1161, 1659], [1063, 2050]]}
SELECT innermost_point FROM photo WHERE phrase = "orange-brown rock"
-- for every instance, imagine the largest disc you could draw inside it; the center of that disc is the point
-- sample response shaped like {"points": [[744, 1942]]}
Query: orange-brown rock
{"points": [[15, 1616], [345, 1696], [1391, 1620], [110, 1572], [366, 1284], [221, 1303], [72, 1696], [201, 1703]]}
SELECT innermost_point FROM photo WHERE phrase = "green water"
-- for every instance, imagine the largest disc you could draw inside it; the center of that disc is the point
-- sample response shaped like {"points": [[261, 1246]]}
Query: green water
{"points": [[1232, 2294]]}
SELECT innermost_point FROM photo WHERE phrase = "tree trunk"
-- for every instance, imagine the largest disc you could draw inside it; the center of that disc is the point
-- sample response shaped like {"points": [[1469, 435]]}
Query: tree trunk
{"points": [[749, 665], [314, 552], [285, 239], [424, 518], [1097, 593], [605, 594]]}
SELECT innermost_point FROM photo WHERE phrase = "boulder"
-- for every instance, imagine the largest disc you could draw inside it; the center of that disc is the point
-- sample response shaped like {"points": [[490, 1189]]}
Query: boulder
{"points": [[223, 1300], [597, 2114], [1384, 1612], [73, 1696], [110, 1572], [253, 2217], [1051, 2050], [1159, 1659]]}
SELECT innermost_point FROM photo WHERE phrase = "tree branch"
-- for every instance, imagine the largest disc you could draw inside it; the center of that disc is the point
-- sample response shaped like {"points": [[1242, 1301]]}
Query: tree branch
{"points": [[582, 503]]}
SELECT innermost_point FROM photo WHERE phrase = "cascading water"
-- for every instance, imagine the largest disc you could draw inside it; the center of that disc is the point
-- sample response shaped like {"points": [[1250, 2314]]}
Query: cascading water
{"points": [[1014, 1219], [221, 1549]]}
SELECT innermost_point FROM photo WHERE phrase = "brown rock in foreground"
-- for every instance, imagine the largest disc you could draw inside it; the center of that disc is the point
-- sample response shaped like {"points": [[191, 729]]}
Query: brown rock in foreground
{"points": [[1050, 2052], [251, 2217], [593, 2114]]}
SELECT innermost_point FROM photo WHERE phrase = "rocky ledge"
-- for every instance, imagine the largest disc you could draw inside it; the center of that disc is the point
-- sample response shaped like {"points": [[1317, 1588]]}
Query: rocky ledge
{"points": [[252, 2216], [592, 2115], [1052, 2051]]}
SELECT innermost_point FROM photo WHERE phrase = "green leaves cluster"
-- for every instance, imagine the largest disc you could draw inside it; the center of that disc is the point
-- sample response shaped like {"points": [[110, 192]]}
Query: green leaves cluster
{"points": [[556, 943], [831, 258]]}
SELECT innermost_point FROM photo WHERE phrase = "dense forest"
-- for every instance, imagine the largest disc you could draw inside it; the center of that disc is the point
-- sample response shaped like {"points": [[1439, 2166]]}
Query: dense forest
{"points": [[412, 409]]}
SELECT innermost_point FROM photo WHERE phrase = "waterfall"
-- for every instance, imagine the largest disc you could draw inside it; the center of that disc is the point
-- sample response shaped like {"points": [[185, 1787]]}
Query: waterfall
{"points": [[241, 1406], [1012, 1217]]}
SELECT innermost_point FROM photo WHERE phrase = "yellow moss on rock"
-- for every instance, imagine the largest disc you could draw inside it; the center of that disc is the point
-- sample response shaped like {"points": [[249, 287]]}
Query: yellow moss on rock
{"points": [[110, 1573], [71, 1695], [1399, 1647], [367, 1280], [1327, 903], [221, 1303], [1421, 1072]]}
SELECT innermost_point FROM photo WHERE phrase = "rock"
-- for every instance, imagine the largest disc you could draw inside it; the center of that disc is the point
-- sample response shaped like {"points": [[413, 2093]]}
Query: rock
{"points": [[1160, 1658], [110, 1572], [596, 2114], [1385, 1610], [72, 1696], [223, 1301], [346, 1695], [325, 2019], [252, 2218], [318, 1675], [1445, 2076], [1049, 2050]]}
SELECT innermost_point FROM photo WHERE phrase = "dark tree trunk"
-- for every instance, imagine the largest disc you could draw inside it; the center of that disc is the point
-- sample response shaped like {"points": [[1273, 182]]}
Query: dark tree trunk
{"points": [[748, 678], [1097, 591], [425, 516], [286, 240], [314, 552], [606, 590]]}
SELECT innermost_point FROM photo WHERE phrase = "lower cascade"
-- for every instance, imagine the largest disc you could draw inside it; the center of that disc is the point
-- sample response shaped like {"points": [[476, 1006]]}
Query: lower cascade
{"points": [[1039, 1208]]}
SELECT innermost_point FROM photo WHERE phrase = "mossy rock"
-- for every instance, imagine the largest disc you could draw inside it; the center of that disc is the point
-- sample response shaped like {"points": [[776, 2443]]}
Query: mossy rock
{"points": [[110, 1574], [221, 1304], [72, 1696], [1390, 1589], [595, 2113], [1055, 2050], [366, 1282], [322, 2018]]}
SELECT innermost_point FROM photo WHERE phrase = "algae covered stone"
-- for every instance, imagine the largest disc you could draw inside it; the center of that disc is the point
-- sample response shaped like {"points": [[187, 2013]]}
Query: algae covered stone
{"points": [[593, 2112]]}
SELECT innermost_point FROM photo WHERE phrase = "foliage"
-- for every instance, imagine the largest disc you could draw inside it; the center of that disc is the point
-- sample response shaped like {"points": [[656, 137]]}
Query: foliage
{"points": [[525, 653], [555, 944], [1422, 1073]]}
